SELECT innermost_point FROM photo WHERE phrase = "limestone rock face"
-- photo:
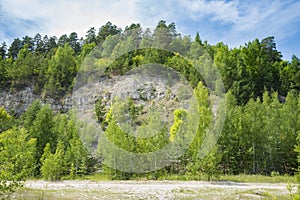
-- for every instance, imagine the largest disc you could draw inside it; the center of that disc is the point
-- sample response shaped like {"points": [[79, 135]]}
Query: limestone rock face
{"points": [[145, 89], [17, 102]]}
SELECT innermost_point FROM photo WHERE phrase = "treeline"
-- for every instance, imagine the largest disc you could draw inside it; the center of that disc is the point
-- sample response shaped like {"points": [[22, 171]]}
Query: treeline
{"points": [[50, 64], [258, 138], [41, 144], [263, 104]]}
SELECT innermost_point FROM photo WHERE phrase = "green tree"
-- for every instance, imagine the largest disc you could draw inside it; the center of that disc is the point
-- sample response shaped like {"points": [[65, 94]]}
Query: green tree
{"points": [[39, 44], [90, 36], [5, 79], [208, 165], [49, 43], [226, 62], [202, 160], [86, 49], [24, 68], [109, 44], [30, 115], [179, 115], [100, 110], [297, 150], [269, 47], [74, 42], [164, 34], [229, 139], [107, 30], [76, 158], [62, 40], [28, 42], [61, 72], [115, 135], [16, 158], [181, 45], [6, 120], [198, 39], [76, 155], [290, 75], [42, 130], [288, 126], [3, 50], [14, 48], [53, 164]]}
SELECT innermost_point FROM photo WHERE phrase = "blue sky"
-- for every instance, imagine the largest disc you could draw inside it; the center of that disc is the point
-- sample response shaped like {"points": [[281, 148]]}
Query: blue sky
{"points": [[234, 22]]}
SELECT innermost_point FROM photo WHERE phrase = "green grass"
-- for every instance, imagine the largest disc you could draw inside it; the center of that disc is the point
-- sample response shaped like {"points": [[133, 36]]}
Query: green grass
{"points": [[259, 178], [236, 178], [201, 177], [185, 177]]}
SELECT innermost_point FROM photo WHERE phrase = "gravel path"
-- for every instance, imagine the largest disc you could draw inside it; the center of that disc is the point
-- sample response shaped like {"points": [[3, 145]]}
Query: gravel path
{"points": [[74, 189]]}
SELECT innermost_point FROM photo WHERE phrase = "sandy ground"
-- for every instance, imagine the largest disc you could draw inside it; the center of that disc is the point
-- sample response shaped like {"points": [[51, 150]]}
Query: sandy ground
{"points": [[151, 190]]}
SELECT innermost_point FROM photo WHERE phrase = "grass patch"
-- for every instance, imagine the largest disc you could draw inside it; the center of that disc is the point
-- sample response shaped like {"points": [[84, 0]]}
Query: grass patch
{"points": [[186, 177], [259, 178], [200, 177]]}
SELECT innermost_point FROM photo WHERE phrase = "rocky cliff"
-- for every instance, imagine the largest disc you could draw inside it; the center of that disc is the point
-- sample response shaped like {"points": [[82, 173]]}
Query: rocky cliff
{"points": [[145, 87], [17, 102]]}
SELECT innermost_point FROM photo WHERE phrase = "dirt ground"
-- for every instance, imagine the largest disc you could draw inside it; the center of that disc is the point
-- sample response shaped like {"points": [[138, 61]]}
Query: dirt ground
{"points": [[151, 190]]}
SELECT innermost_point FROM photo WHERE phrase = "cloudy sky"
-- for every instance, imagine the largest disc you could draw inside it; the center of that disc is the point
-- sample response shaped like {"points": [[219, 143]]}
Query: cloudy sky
{"points": [[233, 21]]}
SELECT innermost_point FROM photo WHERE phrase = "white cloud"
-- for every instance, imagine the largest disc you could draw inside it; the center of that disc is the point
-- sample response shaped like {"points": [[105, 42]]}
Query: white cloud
{"points": [[57, 17], [234, 22], [277, 19], [149, 12], [237, 22], [216, 10]]}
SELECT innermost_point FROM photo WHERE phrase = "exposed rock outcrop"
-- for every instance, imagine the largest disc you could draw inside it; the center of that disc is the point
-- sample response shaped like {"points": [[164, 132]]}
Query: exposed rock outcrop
{"points": [[17, 102], [144, 87]]}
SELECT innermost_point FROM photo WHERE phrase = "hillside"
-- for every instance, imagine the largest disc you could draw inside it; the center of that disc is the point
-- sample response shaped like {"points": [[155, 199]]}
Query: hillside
{"points": [[139, 103]]}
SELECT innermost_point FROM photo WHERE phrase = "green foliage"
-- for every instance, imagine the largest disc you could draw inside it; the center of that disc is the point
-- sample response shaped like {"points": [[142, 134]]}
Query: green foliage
{"points": [[17, 154], [24, 68], [6, 121], [100, 110], [53, 164], [179, 116], [246, 178], [61, 72], [207, 165], [259, 137], [203, 161], [16, 159], [42, 130], [30, 115], [107, 30], [76, 158]]}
